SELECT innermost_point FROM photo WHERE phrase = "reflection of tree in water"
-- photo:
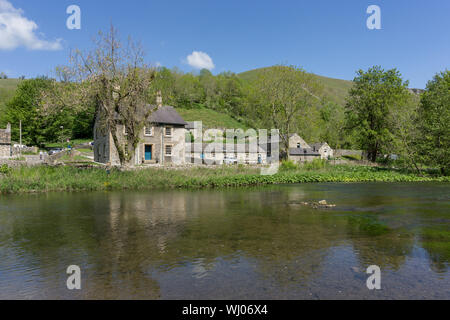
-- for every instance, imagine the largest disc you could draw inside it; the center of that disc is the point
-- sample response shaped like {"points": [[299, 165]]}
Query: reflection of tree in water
{"points": [[377, 244], [121, 240], [286, 241], [436, 241]]}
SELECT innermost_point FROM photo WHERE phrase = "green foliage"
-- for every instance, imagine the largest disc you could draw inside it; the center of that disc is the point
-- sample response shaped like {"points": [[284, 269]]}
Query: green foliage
{"points": [[4, 169], [433, 125], [316, 164], [288, 165], [284, 98], [38, 128], [42, 178], [370, 106]]}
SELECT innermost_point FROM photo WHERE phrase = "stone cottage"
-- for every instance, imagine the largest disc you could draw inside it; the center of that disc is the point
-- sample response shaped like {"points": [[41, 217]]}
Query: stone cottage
{"points": [[162, 140], [324, 149], [5, 142], [300, 151]]}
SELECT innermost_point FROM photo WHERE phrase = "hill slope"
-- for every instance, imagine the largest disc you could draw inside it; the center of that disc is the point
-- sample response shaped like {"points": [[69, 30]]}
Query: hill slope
{"points": [[211, 118], [335, 89]]}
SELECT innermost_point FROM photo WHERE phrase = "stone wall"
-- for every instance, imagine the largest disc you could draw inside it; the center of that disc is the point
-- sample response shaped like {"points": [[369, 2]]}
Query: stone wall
{"points": [[5, 142], [303, 158], [101, 145]]}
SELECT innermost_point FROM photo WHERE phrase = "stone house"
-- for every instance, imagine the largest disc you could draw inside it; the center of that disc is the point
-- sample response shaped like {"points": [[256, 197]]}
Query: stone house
{"points": [[5, 142], [162, 140], [300, 151], [324, 149], [296, 142]]}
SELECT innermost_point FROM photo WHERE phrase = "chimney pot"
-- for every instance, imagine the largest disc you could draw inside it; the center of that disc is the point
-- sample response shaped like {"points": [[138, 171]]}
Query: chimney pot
{"points": [[159, 99]]}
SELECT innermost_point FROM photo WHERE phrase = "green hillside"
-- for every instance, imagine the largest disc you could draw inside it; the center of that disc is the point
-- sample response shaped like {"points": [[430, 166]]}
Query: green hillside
{"points": [[335, 89], [7, 89], [211, 118]]}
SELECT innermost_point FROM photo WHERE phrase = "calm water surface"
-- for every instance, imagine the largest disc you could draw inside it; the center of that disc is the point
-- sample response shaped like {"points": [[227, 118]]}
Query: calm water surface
{"points": [[256, 243]]}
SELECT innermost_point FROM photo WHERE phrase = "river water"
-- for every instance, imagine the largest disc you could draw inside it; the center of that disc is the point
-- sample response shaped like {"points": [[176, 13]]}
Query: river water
{"points": [[247, 243]]}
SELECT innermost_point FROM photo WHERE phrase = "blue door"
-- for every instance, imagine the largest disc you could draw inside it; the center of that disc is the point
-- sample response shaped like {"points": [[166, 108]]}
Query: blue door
{"points": [[148, 153]]}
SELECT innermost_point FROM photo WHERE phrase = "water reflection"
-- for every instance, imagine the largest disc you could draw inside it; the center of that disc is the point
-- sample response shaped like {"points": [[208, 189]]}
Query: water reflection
{"points": [[237, 243]]}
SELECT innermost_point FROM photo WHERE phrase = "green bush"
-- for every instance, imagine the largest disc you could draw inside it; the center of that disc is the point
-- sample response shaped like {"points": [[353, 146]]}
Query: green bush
{"points": [[316, 164], [4, 169], [288, 165]]}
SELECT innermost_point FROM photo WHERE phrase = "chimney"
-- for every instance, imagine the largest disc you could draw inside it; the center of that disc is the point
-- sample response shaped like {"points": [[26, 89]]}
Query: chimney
{"points": [[159, 99], [8, 128]]}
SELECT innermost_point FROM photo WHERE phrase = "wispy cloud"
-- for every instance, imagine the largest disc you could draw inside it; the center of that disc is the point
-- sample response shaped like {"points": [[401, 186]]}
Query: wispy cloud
{"points": [[18, 31], [200, 60]]}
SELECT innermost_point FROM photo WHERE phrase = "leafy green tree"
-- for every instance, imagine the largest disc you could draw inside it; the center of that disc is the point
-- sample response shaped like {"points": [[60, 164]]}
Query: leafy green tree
{"points": [[369, 105], [404, 120], [433, 123], [332, 125], [24, 106]]}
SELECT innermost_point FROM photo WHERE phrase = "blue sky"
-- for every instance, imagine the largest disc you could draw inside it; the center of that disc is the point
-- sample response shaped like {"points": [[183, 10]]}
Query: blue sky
{"points": [[329, 38]]}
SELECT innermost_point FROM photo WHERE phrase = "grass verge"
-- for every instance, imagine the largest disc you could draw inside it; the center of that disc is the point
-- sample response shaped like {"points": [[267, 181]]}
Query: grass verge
{"points": [[67, 178]]}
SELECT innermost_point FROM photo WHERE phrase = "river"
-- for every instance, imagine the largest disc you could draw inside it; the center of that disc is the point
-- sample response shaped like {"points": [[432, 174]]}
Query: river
{"points": [[247, 243]]}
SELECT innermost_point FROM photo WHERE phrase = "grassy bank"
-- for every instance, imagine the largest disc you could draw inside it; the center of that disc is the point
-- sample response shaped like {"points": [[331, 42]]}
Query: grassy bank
{"points": [[45, 179]]}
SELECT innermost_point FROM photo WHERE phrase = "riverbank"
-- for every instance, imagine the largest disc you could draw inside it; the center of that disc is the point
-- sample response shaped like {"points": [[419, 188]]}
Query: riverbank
{"points": [[66, 178]]}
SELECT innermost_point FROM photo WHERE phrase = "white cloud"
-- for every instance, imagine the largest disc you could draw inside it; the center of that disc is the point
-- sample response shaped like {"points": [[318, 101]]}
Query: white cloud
{"points": [[200, 60], [18, 31]]}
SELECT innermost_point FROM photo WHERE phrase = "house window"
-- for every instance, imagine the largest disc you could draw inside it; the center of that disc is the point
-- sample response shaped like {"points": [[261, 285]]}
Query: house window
{"points": [[168, 131], [168, 150], [148, 131], [299, 145]]}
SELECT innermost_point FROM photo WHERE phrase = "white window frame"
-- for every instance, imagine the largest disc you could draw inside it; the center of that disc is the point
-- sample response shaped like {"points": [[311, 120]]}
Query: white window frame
{"points": [[151, 131], [165, 132], [171, 150]]}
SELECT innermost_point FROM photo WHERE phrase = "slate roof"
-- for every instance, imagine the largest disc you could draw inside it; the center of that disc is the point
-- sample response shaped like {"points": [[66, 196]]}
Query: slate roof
{"points": [[163, 115], [318, 145], [166, 115]]}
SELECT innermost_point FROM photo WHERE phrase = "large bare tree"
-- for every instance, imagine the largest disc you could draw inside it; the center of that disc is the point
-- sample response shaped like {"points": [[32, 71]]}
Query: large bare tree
{"points": [[285, 94], [116, 79]]}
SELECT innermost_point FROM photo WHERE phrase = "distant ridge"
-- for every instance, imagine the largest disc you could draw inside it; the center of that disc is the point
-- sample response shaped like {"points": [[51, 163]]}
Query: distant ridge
{"points": [[335, 89]]}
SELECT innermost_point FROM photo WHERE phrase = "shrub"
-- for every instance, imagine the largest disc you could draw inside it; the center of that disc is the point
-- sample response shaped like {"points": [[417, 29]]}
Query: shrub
{"points": [[316, 164], [4, 169], [288, 165]]}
